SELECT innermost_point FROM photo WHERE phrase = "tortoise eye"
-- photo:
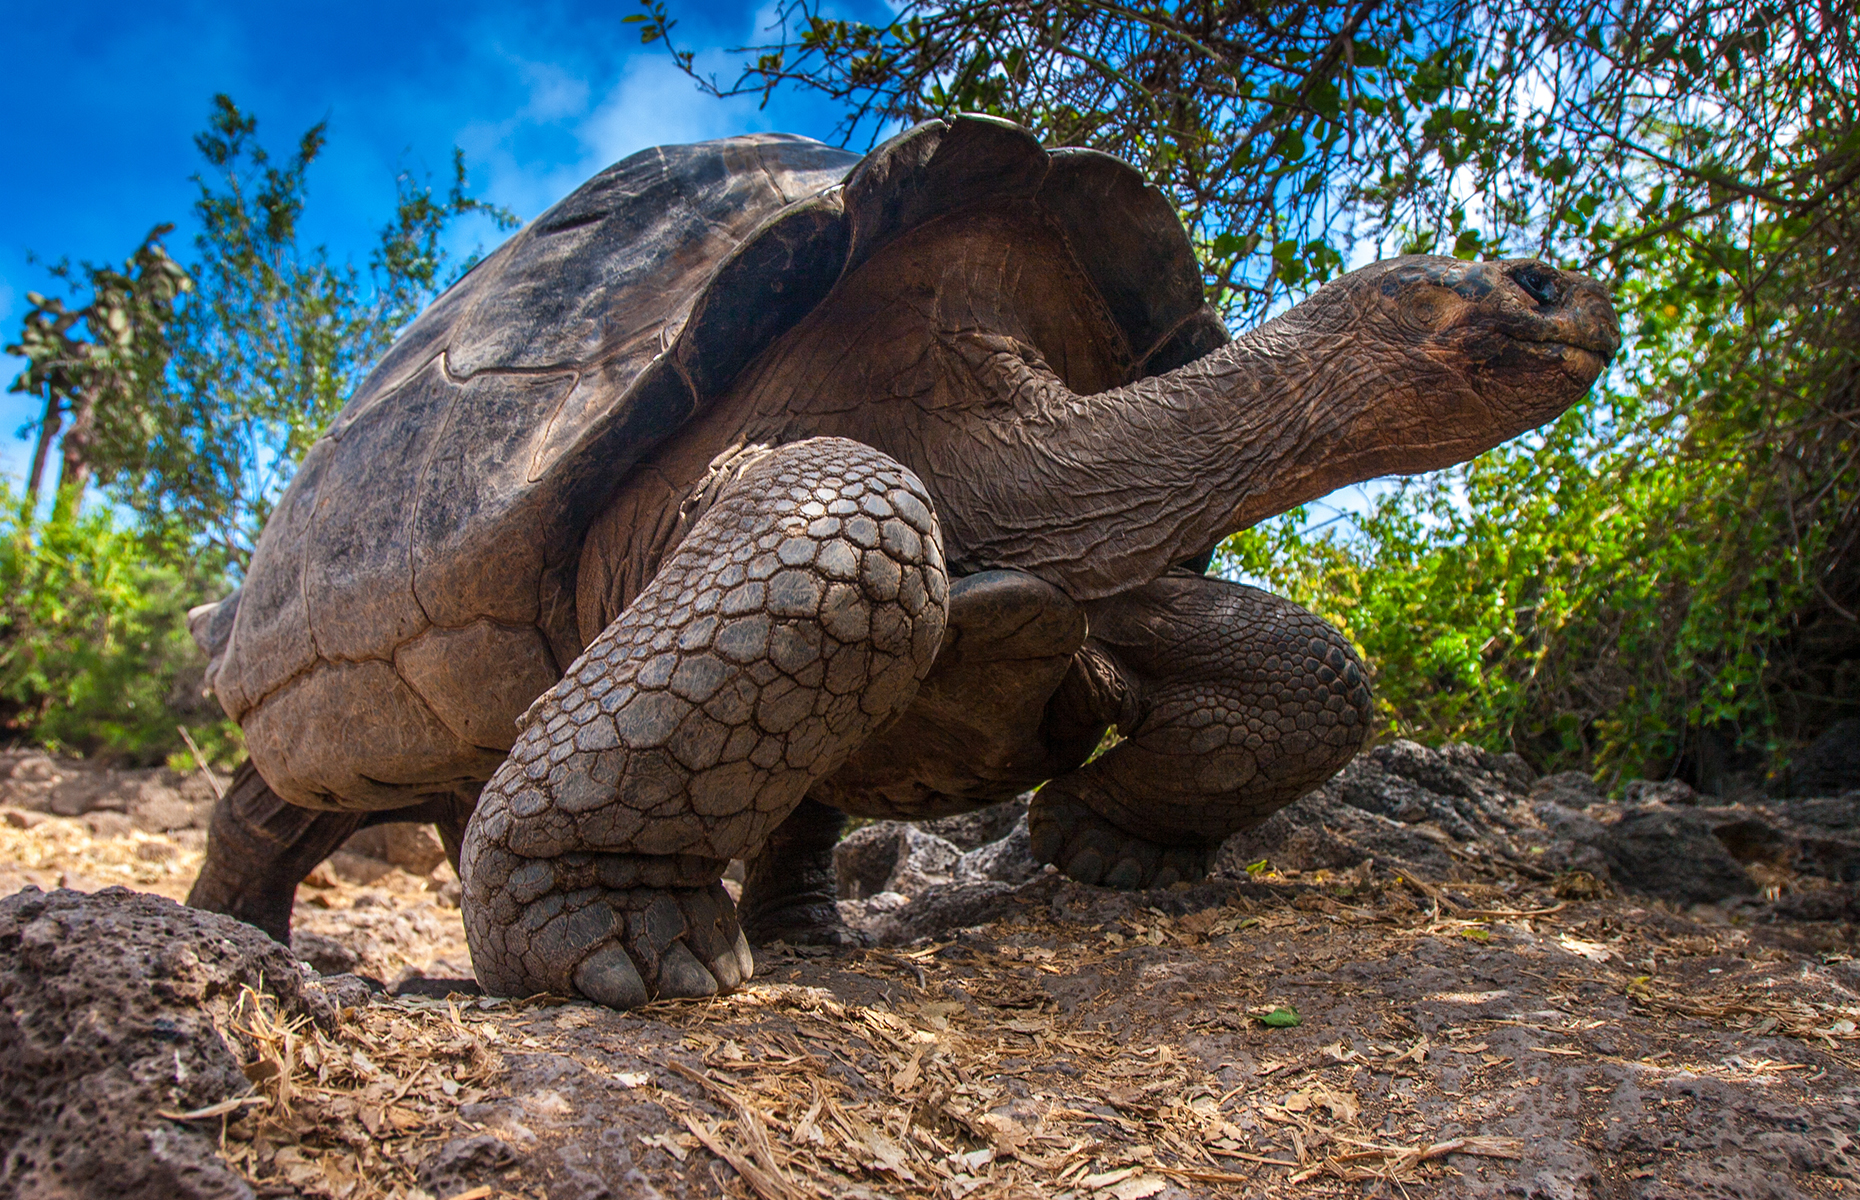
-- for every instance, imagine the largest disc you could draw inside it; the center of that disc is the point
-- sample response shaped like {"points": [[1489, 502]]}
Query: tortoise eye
{"points": [[1538, 282]]}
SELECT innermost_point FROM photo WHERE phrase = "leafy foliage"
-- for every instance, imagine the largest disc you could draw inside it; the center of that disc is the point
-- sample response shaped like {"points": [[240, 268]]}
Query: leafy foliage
{"points": [[1286, 132], [275, 338], [1631, 590], [96, 380], [94, 651], [209, 382], [191, 391]]}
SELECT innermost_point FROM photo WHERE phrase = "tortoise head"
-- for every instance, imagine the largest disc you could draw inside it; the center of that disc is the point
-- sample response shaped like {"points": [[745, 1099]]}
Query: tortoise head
{"points": [[1477, 352], [1404, 366]]}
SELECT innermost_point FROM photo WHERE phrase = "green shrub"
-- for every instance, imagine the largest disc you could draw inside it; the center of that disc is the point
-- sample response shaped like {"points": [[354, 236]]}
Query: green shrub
{"points": [[95, 657]]}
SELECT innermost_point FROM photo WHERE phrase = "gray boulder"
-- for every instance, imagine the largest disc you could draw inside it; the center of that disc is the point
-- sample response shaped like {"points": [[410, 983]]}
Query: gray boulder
{"points": [[892, 856], [1673, 854], [1574, 840], [1403, 804], [972, 830], [903, 859], [1444, 813], [106, 1020], [1009, 860]]}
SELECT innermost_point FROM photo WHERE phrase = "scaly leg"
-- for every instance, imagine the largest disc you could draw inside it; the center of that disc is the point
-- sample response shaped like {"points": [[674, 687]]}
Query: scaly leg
{"points": [[974, 734], [797, 617], [1244, 702], [260, 847]]}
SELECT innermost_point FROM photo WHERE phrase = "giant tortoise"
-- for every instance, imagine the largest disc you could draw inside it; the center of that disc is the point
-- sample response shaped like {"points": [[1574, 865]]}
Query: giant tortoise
{"points": [[758, 483]]}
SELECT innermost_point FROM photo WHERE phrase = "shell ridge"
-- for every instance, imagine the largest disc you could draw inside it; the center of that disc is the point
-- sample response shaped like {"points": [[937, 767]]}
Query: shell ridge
{"points": [[456, 376], [1129, 240]]}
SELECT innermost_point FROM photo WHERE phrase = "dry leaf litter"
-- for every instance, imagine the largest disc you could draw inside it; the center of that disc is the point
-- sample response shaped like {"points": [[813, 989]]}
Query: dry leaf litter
{"points": [[1479, 1037]]}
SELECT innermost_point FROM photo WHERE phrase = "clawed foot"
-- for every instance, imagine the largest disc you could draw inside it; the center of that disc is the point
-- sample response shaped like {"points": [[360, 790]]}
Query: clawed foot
{"points": [[622, 948], [1070, 835]]}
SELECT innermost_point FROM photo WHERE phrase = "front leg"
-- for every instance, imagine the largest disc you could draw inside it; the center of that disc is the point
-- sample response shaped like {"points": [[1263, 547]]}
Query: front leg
{"points": [[797, 617], [1243, 703], [975, 734]]}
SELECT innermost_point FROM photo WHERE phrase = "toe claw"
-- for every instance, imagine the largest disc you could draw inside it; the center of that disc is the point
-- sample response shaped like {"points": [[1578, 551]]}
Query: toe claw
{"points": [[745, 960], [609, 977], [1087, 866], [723, 965], [682, 976], [723, 970], [714, 937]]}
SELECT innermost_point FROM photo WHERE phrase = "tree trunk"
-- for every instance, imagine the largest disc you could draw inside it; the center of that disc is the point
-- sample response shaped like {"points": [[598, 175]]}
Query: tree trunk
{"points": [[74, 473], [48, 429]]}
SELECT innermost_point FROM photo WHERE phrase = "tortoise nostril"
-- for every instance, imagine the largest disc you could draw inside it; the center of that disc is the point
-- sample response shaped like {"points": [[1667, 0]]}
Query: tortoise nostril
{"points": [[1538, 282]]}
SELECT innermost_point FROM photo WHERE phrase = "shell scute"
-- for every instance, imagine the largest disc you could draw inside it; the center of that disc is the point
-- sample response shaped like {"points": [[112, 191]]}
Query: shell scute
{"points": [[474, 488], [357, 551]]}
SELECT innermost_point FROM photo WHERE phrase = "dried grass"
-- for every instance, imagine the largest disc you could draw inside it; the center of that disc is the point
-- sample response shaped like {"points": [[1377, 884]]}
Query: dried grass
{"points": [[969, 1083], [351, 1113]]}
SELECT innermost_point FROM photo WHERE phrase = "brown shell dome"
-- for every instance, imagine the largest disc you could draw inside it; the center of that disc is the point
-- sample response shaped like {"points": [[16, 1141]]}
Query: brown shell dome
{"points": [[414, 590]]}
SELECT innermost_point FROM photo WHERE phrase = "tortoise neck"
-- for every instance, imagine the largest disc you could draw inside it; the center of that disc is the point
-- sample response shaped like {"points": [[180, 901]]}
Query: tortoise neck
{"points": [[1099, 493]]}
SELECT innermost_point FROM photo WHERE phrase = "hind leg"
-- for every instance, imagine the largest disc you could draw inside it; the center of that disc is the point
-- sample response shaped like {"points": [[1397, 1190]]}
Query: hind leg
{"points": [[259, 848], [789, 887], [797, 618], [1243, 703]]}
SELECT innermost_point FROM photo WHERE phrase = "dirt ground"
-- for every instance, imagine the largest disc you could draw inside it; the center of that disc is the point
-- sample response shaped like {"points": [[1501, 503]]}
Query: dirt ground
{"points": [[1491, 1039]]}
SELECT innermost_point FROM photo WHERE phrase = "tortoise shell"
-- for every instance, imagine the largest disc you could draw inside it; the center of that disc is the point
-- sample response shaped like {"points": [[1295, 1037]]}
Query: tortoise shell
{"points": [[414, 590]]}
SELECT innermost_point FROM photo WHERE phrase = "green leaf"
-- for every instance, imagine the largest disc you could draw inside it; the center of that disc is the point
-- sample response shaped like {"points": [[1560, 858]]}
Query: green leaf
{"points": [[1283, 1017], [1326, 100]]}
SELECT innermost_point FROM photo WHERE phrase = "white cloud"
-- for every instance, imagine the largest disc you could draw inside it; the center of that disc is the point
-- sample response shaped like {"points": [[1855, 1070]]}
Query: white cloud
{"points": [[650, 102], [656, 104], [554, 93]]}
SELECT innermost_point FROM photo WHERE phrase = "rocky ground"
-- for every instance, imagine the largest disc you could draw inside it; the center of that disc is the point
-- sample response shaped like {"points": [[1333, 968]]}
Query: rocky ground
{"points": [[1438, 975]]}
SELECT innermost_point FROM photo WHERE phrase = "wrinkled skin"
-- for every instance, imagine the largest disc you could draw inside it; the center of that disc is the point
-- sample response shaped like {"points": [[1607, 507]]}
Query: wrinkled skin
{"points": [[937, 560]]}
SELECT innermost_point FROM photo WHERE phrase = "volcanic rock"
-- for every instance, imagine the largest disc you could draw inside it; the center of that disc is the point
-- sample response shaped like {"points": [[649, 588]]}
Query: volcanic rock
{"points": [[108, 1007]]}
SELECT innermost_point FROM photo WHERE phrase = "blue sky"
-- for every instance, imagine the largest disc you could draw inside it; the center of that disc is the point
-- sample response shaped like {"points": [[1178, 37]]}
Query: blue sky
{"points": [[103, 101]]}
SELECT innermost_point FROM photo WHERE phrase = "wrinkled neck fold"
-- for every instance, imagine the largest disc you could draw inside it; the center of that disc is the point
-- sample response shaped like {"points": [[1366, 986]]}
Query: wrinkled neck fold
{"points": [[1100, 493]]}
